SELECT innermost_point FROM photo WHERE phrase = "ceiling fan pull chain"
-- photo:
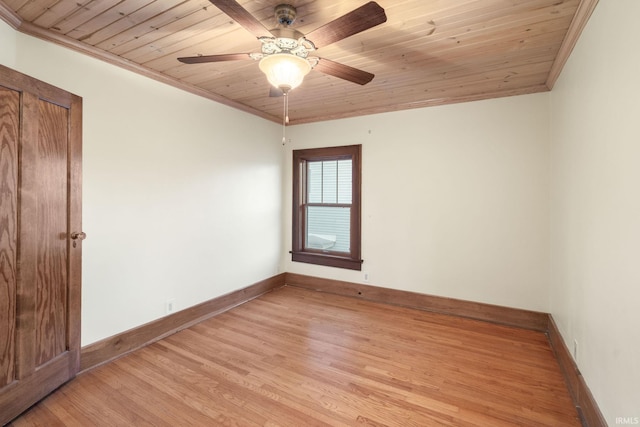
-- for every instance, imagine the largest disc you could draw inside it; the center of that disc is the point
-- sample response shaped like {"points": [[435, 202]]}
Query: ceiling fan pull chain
{"points": [[286, 108], [285, 118]]}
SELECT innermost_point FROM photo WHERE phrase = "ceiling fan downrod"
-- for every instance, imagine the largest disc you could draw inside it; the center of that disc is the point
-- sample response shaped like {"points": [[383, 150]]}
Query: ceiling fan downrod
{"points": [[285, 14]]}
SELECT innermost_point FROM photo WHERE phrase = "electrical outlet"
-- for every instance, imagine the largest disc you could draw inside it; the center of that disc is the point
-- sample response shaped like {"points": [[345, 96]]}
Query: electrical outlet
{"points": [[170, 306], [575, 350], [366, 277]]}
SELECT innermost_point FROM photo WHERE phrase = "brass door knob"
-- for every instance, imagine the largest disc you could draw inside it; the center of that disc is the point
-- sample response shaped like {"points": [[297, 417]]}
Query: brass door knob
{"points": [[78, 235]]}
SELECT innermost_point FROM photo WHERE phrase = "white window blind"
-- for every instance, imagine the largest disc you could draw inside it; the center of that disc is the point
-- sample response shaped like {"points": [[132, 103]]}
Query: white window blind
{"points": [[328, 211]]}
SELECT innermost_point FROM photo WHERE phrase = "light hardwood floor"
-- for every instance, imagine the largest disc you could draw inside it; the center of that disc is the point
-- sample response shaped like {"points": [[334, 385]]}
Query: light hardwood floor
{"points": [[295, 357]]}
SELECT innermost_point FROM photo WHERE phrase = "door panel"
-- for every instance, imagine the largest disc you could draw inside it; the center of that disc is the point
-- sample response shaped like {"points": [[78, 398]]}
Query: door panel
{"points": [[39, 267], [51, 206], [9, 129]]}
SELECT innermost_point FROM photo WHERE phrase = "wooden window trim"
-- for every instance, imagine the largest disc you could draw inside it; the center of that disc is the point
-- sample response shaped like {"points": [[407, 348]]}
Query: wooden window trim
{"points": [[351, 260]]}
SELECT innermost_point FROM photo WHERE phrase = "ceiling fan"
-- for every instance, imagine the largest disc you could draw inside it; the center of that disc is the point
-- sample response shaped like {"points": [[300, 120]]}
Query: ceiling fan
{"points": [[284, 56]]}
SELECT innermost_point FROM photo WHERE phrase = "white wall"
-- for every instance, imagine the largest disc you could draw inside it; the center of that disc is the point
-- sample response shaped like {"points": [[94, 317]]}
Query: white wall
{"points": [[182, 196], [455, 199], [595, 291], [7, 44]]}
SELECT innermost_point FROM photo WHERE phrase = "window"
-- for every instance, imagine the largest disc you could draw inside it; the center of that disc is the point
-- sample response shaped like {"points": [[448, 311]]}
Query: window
{"points": [[326, 206]]}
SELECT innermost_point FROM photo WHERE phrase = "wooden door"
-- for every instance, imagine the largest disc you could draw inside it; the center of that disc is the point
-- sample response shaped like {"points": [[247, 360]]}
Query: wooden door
{"points": [[40, 256]]}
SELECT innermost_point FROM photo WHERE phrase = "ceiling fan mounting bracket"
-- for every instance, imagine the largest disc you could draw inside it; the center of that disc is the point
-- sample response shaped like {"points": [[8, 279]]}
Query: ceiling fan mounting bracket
{"points": [[285, 14]]}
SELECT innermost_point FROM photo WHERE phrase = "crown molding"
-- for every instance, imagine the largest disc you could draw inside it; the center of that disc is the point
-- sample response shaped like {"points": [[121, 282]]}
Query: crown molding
{"points": [[424, 104], [9, 16], [585, 9]]}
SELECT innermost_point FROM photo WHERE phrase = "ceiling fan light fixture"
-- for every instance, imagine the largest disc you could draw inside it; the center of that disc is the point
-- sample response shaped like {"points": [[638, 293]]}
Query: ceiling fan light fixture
{"points": [[285, 70]]}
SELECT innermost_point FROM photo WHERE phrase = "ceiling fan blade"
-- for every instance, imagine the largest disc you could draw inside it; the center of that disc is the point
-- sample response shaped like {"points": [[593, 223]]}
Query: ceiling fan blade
{"points": [[239, 14], [344, 72], [214, 58], [360, 19]]}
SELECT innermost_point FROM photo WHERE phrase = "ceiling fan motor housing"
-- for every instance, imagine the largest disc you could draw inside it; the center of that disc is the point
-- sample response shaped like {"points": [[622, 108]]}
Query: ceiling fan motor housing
{"points": [[285, 40]]}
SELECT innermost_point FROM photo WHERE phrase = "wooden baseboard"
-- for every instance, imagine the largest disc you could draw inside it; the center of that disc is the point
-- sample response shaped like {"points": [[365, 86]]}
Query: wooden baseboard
{"points": [[583, 399], [490, 313], [113, 347]]}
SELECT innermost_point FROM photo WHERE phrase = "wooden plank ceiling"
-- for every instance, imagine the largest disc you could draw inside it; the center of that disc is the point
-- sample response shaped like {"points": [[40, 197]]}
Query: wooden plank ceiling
{"points": [[429, 52]]}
